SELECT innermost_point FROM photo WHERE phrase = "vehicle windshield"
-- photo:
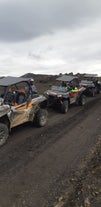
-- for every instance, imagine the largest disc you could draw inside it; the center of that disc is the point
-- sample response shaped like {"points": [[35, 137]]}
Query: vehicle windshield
{"points": [[9, 94], [59, 88], [87, 82]]}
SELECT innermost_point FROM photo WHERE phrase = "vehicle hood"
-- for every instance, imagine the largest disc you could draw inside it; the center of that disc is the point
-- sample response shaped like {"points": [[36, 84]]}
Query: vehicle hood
{"points": [[56, 93], [4, 109], [40, 98], [82, 88]]}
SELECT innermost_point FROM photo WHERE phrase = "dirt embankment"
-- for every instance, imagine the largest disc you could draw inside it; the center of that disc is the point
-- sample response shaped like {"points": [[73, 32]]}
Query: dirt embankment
{"points": [[85, 190]]}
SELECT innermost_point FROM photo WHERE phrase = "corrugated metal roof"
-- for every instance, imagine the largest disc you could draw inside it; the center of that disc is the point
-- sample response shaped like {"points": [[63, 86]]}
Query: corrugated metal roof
{"points": [[66, 78], [10, 80]]}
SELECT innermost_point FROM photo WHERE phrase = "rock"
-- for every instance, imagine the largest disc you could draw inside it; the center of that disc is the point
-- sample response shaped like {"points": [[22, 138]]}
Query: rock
{"points": [[86, 202]]}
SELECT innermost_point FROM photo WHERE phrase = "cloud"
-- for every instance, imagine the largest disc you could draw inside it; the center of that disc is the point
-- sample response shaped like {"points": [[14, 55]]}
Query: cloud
{"points": [[76, 50], [50, 36], [28, 19]]}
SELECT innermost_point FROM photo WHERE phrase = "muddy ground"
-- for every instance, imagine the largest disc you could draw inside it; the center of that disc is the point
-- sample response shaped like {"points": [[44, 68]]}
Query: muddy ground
{"points": [[58, 165]]}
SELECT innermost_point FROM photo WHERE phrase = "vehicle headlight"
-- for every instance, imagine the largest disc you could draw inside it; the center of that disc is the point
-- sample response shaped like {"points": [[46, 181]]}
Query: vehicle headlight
{"points": [[59, 96]]}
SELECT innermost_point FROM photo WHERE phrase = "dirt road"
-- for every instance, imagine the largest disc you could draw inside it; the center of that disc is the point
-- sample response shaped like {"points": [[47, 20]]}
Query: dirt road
{"points": [[36, 163]]}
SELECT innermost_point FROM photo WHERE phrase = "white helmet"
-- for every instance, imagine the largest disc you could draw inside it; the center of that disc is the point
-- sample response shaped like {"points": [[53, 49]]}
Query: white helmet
{"points": [[31, 80]]}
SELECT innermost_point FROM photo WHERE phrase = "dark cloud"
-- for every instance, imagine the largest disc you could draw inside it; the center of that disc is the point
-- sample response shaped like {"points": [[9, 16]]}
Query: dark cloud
{"points": [[22, 20]]}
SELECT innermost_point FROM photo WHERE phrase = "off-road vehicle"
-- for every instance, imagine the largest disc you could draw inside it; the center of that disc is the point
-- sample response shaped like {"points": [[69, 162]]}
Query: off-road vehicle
{"points": [[18, 104], [90, 89], [64, 94], [91, 84]]}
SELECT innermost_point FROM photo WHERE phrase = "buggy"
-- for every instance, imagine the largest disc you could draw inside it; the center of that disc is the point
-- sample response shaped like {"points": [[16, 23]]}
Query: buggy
{"points": [[91, 84], [64, 94], [18, 104]]}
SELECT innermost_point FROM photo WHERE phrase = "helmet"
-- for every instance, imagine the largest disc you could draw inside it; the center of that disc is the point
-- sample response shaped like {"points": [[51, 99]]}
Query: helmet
{"points": [[31, 79], [71, 82]]}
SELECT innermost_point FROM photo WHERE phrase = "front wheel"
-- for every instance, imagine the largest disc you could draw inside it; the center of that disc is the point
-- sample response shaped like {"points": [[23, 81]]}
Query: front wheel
{"points": [[64, 107], [41, 118], [4, 133], [93, 93], [82, 100]]}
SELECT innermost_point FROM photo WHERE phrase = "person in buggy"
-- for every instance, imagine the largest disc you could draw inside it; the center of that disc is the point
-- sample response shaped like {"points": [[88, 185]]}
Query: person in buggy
{"points": [[70, 86], [32, 86]]}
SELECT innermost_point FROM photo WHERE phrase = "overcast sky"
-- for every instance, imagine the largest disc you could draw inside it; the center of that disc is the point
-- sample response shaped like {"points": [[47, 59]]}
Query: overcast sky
{"points": [[50, 36]]}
